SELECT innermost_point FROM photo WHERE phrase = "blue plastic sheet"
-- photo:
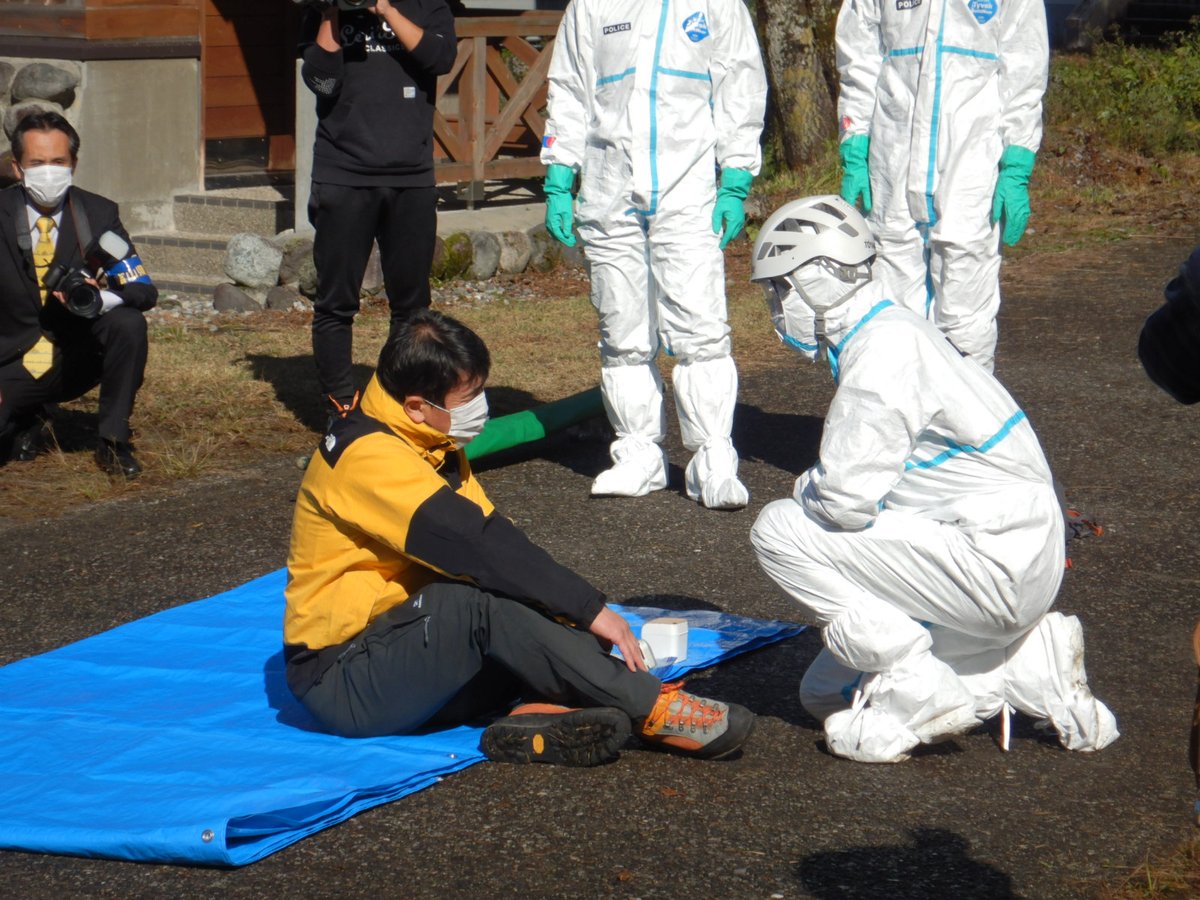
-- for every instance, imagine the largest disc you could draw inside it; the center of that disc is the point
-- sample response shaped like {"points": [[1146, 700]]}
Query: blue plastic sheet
{"points": [[175, 739]]}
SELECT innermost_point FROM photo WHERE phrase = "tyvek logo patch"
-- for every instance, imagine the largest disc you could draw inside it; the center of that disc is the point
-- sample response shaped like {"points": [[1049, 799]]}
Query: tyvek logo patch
{"points": [[695, 27], [983, 10]]}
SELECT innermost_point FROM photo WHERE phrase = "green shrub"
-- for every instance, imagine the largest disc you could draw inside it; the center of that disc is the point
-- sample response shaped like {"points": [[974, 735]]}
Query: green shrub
{"points": [[1145, 99]]}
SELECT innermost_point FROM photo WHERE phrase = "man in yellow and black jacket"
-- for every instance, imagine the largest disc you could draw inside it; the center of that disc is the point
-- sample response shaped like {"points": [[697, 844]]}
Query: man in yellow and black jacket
{"points": [[412, 604]]}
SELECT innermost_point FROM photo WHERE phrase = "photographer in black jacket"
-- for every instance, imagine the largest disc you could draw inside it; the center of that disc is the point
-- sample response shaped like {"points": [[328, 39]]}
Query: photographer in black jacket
{"points": [[374, 72], [51, 350]]}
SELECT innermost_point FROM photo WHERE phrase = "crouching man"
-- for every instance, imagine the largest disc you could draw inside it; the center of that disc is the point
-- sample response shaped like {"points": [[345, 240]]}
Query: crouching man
{"points": [[927, 541], [412, 604]]}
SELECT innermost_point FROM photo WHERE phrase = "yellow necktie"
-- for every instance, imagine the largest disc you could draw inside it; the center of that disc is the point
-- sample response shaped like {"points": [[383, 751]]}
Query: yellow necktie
{"points": [[40, 357]]}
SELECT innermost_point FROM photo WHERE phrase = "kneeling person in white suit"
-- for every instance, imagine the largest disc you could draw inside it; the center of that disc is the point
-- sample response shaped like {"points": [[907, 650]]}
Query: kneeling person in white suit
{"points": [[926, 541]]}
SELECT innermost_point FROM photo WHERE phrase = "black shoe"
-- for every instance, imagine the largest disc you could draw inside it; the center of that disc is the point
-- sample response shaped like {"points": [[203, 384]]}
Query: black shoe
{"points": [[539, 732], [116, 458], [30, 440]]}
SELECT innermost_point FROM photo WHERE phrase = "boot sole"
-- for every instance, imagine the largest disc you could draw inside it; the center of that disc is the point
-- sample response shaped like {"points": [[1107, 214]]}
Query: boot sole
{"points": [[582, 737]]}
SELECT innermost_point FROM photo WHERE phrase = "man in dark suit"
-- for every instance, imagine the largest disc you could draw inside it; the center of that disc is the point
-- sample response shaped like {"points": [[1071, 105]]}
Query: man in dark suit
{"points": [[48, 352]]}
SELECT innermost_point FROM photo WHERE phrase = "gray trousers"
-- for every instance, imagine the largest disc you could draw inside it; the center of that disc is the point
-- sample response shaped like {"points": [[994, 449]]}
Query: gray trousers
{"points": [[453, 653]]}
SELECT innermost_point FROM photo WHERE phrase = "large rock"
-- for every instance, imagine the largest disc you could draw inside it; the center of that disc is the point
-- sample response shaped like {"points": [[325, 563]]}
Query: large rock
{"points": [[252, 260], [372, 282], [297, 258], [282, 297], [452, 257], [231, 298], [572, 257], [20, 110], [307, 279], [545, 252], [515, 250], [43, 81], [7, 70], [485, 259]]}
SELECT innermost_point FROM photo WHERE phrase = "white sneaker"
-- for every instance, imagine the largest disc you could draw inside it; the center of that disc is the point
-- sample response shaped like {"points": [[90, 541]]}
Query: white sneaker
{"points": [[633, 476]]}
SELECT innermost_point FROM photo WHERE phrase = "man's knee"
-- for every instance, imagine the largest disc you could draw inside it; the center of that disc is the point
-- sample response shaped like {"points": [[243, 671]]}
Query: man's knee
{"points": [[773, 534], [122, 325]]}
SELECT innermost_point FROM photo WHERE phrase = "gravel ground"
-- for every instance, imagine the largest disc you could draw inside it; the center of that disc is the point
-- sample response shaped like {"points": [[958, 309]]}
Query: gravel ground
{"points": [[785, 819]]}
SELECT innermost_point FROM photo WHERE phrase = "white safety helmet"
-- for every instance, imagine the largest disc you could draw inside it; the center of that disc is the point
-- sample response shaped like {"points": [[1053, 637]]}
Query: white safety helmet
{"points": [[812, 228], [811, 255]]}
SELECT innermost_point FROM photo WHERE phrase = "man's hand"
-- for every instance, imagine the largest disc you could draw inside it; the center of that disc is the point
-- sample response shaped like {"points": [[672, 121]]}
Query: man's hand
{"points": [[405, 30], [62, 298], [328, 37], [608, 626]]}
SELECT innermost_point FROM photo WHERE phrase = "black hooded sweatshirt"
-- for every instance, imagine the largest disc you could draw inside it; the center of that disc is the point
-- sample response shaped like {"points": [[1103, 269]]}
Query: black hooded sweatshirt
{"points": [[375, 99]]}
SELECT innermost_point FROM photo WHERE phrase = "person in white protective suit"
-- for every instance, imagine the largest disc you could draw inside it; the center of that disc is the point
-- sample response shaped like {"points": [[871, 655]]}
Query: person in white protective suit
{"points": [[940, 111], [926, 541], [645, 101]]}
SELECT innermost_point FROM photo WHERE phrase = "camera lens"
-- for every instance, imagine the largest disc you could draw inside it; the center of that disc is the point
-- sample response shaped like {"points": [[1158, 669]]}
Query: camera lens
{"points": [[83, 300]]}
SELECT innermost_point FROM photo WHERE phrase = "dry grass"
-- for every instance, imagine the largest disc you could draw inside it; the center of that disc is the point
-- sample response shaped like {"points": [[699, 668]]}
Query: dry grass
{"points": [[1172, 877], [224, 397]]}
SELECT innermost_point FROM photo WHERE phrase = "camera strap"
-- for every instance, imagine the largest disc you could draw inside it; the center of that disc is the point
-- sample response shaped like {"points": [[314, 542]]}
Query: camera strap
{"points": [[83, 229]]}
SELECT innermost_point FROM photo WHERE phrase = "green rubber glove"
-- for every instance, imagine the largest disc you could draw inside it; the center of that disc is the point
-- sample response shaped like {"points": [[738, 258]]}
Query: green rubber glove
{"points": [[729, 212], [560, 205], [1011, 201], [856, 178]]}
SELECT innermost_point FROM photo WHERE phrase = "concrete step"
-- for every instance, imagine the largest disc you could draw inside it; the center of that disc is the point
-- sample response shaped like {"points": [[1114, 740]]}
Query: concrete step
{"points": [[194, 255], [261, 210]]}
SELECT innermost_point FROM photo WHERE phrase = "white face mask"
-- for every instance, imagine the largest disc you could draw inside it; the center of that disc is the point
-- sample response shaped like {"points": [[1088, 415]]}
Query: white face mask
{"points": [[467, 421], [824, 284], [47, 185], [794, 320]]}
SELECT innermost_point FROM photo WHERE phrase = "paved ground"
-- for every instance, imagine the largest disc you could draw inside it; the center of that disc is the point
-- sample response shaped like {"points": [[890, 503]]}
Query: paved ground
{"points": [[514, 205], [785, 819]]}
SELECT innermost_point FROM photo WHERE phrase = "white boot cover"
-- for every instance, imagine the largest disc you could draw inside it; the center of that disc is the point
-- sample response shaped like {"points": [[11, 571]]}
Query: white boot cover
{"points": [[912, 697], [1045, 678], [980, 669], [633, 400], [711, 477], [828, 686], [705, 397]]}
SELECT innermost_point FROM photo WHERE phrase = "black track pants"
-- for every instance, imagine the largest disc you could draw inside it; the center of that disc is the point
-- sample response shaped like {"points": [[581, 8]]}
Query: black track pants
{"points": [[347, 221], [453, 653]]}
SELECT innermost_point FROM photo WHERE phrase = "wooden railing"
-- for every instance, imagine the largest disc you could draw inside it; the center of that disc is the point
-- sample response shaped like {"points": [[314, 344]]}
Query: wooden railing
{"points": [[489, 121]]}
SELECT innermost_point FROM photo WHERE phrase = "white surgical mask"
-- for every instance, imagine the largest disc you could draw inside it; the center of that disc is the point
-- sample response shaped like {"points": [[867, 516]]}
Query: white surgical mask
{"points": [[467, 421], [47, 185], [825, 285], [794, 320]]}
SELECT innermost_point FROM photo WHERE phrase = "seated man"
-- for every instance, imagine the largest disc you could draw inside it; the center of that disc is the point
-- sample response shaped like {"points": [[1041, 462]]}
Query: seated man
{"points": [[926, 541], [52, 350], [411, 604]]}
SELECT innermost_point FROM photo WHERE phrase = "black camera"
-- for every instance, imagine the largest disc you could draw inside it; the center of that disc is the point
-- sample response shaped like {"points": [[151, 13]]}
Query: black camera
{"points": [[82, 297], [109, 255], [1169, 345], [345, 5]]}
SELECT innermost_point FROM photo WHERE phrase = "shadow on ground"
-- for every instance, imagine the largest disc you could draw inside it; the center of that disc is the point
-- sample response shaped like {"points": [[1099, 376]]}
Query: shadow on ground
{"points": [[937, 864]]}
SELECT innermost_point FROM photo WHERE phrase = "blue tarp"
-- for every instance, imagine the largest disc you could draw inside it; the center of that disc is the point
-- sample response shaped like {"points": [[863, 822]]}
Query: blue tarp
{"points": [[175, 739]]}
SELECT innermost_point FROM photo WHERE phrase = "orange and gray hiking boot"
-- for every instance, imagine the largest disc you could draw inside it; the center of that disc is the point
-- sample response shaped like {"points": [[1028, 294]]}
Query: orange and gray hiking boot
{"points": [[543, 732], [684, 723]]}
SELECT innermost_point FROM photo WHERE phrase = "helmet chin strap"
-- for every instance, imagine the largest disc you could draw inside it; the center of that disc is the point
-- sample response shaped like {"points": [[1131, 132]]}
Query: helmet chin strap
{"points": [[815, 292]]}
